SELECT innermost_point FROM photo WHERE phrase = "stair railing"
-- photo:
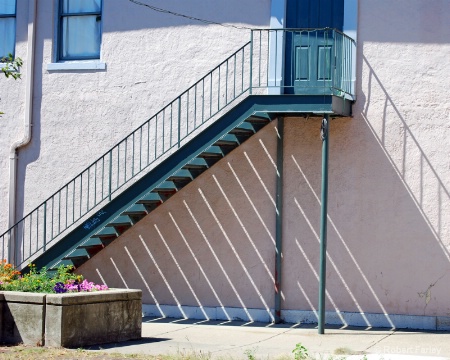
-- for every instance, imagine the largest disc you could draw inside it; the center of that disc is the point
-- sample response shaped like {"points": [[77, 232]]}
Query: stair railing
{"points": [[254, 68]]}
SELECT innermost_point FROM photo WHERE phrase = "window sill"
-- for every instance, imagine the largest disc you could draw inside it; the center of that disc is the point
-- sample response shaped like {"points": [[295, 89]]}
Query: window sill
{"points": [[77, 65]]}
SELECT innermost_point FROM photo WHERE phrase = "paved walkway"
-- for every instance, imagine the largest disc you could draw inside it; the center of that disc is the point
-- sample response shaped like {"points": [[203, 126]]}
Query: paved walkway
{"points": [[242, 340]]}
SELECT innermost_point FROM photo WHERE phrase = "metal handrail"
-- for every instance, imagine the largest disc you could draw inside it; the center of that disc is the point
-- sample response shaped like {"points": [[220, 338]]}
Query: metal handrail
{"points": [[248, 68]]}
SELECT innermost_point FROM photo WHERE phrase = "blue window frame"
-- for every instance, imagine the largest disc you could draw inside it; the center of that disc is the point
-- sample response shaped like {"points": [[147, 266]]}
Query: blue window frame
{"points": [[79, 32], [7, 27]]}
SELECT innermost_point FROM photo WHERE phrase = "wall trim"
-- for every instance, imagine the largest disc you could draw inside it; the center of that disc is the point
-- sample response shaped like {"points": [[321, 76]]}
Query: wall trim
{"points": [[366, 320]]}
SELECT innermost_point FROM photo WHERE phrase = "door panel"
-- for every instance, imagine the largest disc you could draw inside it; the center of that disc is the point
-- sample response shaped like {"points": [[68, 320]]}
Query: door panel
{"points": [[309, 54]]}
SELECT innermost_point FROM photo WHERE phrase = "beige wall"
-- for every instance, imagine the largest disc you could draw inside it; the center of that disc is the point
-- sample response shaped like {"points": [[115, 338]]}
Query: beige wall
{"points": [[78, 115], [212, 244], [389, 197]]}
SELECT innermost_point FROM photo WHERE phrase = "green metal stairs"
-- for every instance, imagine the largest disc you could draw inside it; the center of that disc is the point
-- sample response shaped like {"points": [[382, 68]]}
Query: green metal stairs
{"points": [[203, 124], [165, 181]]}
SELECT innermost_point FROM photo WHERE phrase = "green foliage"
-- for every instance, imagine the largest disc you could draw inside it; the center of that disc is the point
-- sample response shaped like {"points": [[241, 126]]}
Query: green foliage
{"points": [[250, 354], [41, 281], [11, 67], [300, 352]]}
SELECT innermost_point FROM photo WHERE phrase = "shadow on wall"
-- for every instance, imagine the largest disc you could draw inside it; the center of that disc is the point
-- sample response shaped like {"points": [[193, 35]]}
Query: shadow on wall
{"points": [[388, 212], [382, 255], [211, 245]]}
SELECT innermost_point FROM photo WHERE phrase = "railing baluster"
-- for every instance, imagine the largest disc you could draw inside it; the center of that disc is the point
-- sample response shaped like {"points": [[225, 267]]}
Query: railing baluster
{"points": [[234, 78], [171, 126], [88, 188], [251, 63], [259, 60], [179, 121], [59, 213], [203, 100], [140, 149], [226, 84], [187, 112], [132, 162], [110, 176], [44, 240], [163, 132], [195, 107]]}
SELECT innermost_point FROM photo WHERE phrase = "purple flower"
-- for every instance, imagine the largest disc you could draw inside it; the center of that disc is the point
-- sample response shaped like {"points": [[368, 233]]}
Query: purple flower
{"points": [[59, 288]]}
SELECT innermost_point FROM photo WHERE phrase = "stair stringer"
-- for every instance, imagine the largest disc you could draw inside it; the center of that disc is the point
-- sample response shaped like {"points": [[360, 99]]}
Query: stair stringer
{"points": [[211, 244]]}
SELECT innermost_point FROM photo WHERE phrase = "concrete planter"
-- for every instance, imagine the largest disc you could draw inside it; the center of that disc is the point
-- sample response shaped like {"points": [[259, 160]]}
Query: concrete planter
{"points": [[70, 319]]}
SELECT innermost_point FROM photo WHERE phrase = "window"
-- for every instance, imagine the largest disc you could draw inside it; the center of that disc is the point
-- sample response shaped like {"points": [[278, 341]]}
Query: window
{"points": [[79, 29], [7, 27]]}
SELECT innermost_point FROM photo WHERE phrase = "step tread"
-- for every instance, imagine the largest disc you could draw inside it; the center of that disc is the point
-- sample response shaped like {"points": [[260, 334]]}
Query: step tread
{"points": [[150, 198], [105, 232], [228, 140], [245, 127], [136, 210], [196, 163], [76, 254], [182, 174], [121, 221], [90, 243], [165, 186], [212, 151]]}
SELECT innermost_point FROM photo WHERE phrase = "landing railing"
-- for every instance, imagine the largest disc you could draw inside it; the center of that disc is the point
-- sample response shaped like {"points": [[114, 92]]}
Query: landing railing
{"points": [[258, 67]]}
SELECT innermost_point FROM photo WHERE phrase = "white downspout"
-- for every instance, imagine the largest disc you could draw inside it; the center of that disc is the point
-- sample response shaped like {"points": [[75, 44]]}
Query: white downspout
{"points": [[27, 129]]}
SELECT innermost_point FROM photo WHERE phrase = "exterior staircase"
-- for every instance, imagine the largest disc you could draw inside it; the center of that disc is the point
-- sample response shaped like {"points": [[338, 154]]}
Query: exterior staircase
{"points": [[188, 136]]}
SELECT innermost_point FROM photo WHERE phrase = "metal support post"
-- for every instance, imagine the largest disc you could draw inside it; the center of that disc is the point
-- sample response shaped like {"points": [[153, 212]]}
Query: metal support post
{"points": [[324, 133]]}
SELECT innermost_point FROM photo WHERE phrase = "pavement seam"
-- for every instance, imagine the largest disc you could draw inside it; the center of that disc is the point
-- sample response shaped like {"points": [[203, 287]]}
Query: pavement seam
{"points": [[253, 343], [377, 342]]}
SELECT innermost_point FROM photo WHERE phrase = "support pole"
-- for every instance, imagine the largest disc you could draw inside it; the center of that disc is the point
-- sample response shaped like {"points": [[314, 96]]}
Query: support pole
{"points": [[278, 224], [323, 223]]}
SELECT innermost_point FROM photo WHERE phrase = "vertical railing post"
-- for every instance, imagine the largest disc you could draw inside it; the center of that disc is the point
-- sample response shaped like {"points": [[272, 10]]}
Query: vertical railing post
{"points": [[251, 62], [110, 175], [45, 226], [12, 244], [179, 121], [323, 223]]}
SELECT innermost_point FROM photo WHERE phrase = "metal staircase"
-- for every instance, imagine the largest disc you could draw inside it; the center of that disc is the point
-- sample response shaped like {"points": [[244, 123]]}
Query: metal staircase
{"points": [[191, 133]]}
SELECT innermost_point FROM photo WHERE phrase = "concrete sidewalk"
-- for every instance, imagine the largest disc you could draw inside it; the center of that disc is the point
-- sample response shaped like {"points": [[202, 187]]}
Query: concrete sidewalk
{"points": [[239, 340]]}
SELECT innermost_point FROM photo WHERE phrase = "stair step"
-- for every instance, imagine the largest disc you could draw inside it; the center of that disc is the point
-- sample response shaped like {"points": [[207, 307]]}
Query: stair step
{"points": [[91, 242], [197, 164], [151, 199], [92, 246], [120, 221], [181, 175], [212, 151], [105, 233], [245, 128], [77, 257], [77, 253], [137, 210], [228, 140], [165, 186]]}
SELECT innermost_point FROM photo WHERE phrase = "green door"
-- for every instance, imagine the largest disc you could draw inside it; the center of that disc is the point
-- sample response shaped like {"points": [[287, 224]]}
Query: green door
{"points": [[310, 60]]}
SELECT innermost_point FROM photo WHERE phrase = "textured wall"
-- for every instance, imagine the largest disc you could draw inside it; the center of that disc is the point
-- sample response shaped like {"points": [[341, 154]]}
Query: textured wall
{"points": [[389, 205], [212, 244], [150, 59]]}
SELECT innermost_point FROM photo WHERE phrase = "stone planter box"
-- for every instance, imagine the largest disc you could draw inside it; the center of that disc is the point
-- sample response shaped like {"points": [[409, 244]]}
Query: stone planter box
{"points": [[70, 319]]}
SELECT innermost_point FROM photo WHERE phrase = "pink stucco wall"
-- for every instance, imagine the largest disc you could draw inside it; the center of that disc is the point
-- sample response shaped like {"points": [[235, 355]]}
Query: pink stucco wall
{"points": [[389, 203], [212, 244]]}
